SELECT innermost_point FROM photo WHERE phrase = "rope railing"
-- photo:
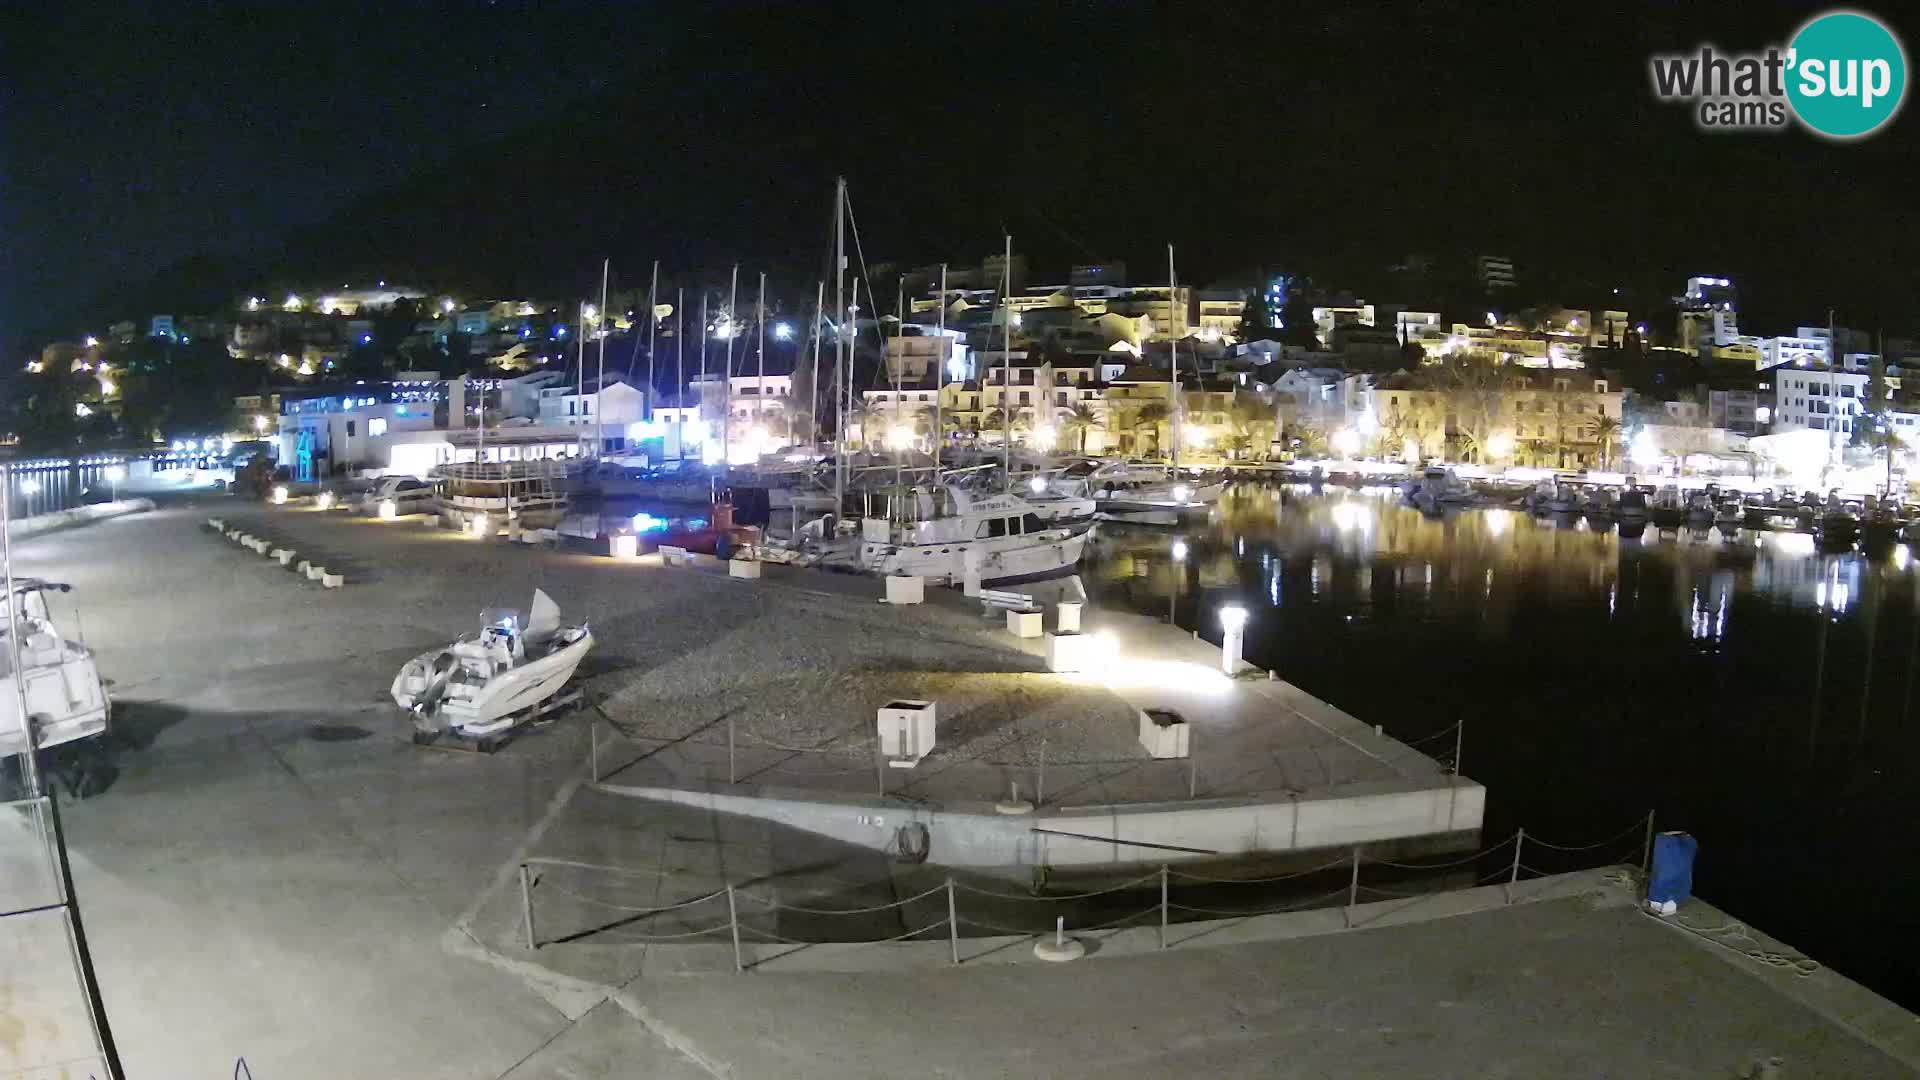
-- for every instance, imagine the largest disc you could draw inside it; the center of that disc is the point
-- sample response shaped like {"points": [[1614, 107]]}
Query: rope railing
{"points": [[1510, 872]]}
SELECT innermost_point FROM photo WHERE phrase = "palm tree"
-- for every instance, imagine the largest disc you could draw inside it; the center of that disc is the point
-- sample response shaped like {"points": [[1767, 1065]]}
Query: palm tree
{"points": [[1079, 420], [1151, 416], [1604, 429]]}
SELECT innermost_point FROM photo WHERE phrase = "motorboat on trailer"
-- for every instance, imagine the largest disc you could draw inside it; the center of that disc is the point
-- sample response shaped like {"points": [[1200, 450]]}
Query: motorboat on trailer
{"points": [[947, 532], [483, 685], [65, 697]]}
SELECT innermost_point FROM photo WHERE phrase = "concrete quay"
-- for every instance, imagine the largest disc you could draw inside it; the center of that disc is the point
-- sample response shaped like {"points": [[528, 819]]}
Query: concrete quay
{"points": [[276, 873]]}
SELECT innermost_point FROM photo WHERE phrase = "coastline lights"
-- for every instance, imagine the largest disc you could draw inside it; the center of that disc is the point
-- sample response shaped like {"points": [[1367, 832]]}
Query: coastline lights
{"points": [[1643, 450]]}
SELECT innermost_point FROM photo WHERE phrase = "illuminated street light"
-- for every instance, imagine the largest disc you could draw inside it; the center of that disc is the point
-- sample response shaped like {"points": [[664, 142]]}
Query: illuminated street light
{"points": [[1346, 442], [92, 341], [29, 486], [782, 331], [1179, 551], [1500, 445], [279, 493], [899, 437], [389, 510]]}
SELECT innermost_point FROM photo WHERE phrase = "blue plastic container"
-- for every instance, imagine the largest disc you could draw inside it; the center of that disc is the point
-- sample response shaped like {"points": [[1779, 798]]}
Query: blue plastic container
{"points": [[1672, 877]]}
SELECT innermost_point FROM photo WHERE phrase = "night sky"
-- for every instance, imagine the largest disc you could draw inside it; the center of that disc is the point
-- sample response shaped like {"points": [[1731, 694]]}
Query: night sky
{"points": [[511, 145]]}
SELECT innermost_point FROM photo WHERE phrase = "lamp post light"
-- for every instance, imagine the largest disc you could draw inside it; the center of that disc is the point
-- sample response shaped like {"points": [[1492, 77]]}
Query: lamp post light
{"points": [[1233, 620], [115, 473]]}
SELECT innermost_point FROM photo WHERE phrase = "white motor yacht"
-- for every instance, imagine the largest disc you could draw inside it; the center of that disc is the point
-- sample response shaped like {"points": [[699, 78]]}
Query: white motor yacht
{"points": [[481, 685], [945, 532], [65, 698], [1437, 486]]}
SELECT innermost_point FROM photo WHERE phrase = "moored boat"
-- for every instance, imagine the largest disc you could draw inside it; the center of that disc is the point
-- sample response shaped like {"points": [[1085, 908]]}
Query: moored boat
{"points": [[484, 684]]}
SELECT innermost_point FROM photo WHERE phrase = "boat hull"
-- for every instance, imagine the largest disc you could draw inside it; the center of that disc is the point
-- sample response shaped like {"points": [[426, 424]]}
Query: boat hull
{"points": [[494, 706], [999, 563]]}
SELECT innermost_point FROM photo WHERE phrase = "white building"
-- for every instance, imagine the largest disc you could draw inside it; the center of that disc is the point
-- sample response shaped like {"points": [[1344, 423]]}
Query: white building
{"points": [[1818, 399], [407, 427]]}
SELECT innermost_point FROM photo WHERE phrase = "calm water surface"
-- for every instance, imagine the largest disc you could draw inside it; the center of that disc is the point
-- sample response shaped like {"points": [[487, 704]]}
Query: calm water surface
{"points": [[1749, 689]]}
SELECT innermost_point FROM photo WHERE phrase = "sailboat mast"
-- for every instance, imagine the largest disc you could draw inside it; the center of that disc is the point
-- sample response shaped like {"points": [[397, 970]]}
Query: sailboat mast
{"points": [[579, 376], [1006, 363], [839, 340], [701, 401], [653, 305], [600, 383], [680, 363], [726, 418], [760, 407], [853, 350], [943, 351], [1173, 361], [813, 385], [899, 362]]}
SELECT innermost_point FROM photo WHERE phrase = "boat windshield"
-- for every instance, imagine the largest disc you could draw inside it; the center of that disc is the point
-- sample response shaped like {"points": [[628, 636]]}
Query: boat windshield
{"points": [[500, 618]]}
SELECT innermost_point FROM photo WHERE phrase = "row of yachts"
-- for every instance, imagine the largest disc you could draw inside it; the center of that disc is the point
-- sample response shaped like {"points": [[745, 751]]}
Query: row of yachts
{"points": [[1832, 517]]}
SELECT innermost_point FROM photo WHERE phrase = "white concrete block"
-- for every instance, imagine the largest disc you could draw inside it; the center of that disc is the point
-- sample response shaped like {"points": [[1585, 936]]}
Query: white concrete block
{"points": [[906, 731], [675, 556], [332, 581], [1068, 621], [1071, 652], [1025, 624], [315, 573], [906, 589], [743, 568], [282, 555], [1164, 734], [216, 525], [302, 567], [623, 546]]}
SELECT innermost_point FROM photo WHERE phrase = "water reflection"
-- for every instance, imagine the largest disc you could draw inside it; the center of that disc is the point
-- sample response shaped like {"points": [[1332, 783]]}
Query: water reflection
{"points": [[1747, 686]]}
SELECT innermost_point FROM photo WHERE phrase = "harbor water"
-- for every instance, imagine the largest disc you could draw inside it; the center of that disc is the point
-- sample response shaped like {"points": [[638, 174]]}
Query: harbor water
{"points": [[46, 485], [1747, 688]]}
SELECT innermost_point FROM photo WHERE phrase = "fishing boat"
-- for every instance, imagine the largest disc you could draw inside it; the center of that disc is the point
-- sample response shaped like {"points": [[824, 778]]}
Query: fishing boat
{"points": [[1563, 499], [483, 685], [1700, 509], [1667, 509], [483, 496], [1437, 486], [1632, 508], [65, 698], [946, 532], [1121, 488], [1730, 516], [1879, 521], [1838, 524], [1601, 505]]}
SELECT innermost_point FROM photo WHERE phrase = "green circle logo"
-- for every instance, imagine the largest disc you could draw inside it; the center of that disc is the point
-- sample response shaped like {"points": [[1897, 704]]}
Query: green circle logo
{"points": [[1847, 74]]}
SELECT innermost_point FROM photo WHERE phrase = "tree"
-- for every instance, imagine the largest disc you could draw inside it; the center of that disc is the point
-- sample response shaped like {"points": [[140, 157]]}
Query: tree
{"points": [[1150, 416], [1253, 318], [1296, 322], [1604, 430], [1474, 386], [1873, 416], [1250, 423], [1079, 420]]}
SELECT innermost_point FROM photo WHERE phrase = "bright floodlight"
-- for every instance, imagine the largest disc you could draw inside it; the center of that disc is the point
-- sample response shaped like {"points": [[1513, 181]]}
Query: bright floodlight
{"points": [[1182, 492], [324, 500], [1233, 617], [1500, 445], [900, 437], [279, 493], [1179, 551], [29, 486], [782, 331], [1347, 442], [1037, 485], [116, 473], [477, 525], [389, 510]]}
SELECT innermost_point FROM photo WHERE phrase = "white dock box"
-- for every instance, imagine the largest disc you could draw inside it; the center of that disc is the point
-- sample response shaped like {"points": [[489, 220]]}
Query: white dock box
{"points": [[1164, 733], [906, 731], [906, 589]]}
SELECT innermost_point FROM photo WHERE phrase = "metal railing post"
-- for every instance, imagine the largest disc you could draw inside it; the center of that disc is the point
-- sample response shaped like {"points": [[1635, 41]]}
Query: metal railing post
{"points": [[1193, 771], [953, 923], [733, 923], [1646, 853], [1513, 878], [1163, 905], [593, 755], [1040, 781], [526, 903], [1353, 887], [732, 773]]}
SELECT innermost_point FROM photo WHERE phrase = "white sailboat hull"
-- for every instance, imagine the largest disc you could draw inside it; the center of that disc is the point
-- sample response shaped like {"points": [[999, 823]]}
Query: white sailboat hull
{"points": [[1000, 559]]}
